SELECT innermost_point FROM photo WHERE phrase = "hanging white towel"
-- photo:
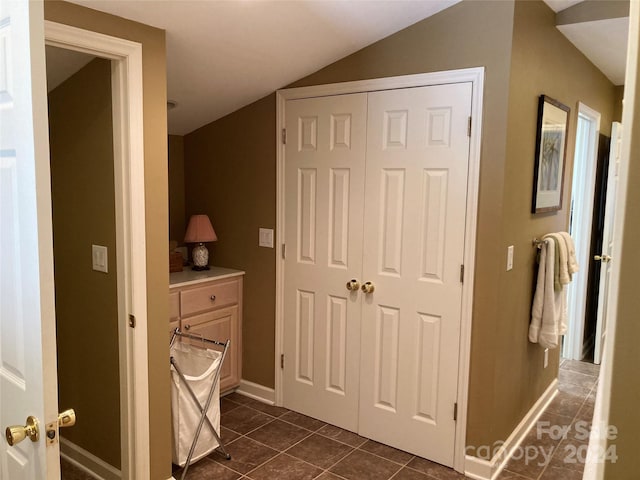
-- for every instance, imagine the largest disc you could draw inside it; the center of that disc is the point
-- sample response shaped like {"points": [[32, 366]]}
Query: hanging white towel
{"points": [[572, 262], [549, 305], [563, 262]]}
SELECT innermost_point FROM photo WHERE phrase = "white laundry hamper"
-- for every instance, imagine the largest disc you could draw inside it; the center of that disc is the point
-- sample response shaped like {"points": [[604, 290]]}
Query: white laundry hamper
{"points": [[199, 366]]}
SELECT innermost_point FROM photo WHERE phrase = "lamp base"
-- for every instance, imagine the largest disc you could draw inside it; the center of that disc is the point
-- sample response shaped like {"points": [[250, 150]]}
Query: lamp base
{"points": [[200, 269], [200, 256]]}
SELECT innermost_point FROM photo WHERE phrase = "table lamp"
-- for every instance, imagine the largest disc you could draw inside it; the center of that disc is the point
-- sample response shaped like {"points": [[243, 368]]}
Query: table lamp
{"points": [[199, 231]]}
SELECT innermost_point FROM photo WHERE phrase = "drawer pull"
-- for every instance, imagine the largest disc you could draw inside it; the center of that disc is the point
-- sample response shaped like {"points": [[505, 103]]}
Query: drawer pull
{"points": [[187, 327], [213, 298]]}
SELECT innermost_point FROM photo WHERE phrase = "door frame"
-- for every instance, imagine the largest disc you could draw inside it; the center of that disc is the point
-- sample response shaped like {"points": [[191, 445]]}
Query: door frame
{"points": [[582, 195], [128, 143], [476, 77]]}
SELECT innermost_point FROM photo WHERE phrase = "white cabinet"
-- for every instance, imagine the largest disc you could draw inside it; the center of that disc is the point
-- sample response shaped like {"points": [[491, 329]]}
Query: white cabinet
{"points": [[209, 303]]}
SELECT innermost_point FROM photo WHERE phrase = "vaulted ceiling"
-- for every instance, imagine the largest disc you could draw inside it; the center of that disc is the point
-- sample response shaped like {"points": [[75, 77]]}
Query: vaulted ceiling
{"points": [[223, 55]]}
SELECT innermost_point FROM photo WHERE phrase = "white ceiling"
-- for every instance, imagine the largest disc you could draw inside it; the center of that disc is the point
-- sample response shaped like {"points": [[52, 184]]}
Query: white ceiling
{"points": [[61, 64], [223, 55], [604, 42]]}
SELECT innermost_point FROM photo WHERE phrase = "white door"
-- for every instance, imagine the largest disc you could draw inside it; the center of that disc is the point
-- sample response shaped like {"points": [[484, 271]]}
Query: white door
{"points": [[607, 239], [415, 208], [325, 162], [376, 191], [28, 382]]}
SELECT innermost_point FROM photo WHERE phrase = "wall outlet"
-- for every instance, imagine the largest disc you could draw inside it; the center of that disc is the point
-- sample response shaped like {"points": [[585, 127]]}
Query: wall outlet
{"points": [[509, 257], [545, 362], [266, 237], [100, 258]]}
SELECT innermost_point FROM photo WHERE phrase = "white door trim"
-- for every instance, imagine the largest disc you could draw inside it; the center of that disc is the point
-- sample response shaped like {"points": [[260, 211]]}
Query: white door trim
{"points": [[583, 190], [128, 142], [476, 77]]}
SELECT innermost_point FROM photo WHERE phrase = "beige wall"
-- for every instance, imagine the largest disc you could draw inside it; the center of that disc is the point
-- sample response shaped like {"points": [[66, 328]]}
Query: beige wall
{"points": [[83, 198], [177, 224], [230, 174], [506, 374], [156, 201], [617, 111], [543, 61], [230, 169]]}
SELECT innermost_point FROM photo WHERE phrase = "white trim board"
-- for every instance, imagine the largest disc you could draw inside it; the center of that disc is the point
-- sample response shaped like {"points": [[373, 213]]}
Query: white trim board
{"points": [[482, 469], [582, 197], [476, 77], [87, 462], [257, 392], [128, 142]]}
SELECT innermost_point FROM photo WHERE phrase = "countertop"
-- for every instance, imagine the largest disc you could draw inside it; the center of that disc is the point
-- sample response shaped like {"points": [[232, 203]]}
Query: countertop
{"points": [[191, 277]]}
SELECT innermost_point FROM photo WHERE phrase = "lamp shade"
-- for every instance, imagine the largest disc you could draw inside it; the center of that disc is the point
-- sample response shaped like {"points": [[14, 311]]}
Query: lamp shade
{"points": [[200, 230]]}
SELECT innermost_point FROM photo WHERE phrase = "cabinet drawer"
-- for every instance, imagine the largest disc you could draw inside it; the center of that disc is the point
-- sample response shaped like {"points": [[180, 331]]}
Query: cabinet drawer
{"points": [[174, 306], [209, 297]]}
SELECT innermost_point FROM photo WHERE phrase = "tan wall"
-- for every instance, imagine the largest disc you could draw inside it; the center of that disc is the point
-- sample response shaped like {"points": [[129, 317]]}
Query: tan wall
{"points": [[506, 372], [156, 200], [230, 167], [177, 224], [543, 62], [625, 381], [617, 111], [83, 198], [230, 174]]}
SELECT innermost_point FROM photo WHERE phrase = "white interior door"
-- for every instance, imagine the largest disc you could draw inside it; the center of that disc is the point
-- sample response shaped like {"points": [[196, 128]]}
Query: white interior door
{"points": [[607, 240], [324, 170], [415, 207], [28, 383]]}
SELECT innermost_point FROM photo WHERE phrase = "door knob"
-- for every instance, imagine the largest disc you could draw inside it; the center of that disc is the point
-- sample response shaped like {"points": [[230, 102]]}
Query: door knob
{"points": [[603, 258], [368, 287], [16, 433], [353, 285], [67, 418]]}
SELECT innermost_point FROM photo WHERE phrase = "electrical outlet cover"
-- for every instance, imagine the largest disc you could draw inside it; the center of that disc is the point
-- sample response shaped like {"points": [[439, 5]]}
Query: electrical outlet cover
{"points": [[100, 260]]}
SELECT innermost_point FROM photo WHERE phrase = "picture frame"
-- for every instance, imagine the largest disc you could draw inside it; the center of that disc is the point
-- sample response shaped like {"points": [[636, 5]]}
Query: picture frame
{"points": [[551, 152]]}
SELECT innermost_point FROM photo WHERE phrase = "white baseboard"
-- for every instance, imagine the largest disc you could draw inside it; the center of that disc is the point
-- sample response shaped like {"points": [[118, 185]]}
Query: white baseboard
{"points": [[483, 469], [257, 392], [88, 462]]}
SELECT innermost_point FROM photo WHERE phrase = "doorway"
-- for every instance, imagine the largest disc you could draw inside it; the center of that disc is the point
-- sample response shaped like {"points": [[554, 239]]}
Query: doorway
{"points": [[122, 59], [83, 213], [581, 221]]}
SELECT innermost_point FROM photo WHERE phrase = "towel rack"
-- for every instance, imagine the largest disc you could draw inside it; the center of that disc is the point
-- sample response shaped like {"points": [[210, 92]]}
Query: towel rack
{"points": [[537, 242]]}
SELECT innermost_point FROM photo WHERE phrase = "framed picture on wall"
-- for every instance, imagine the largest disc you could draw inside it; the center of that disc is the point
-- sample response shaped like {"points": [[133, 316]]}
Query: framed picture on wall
{"points": [[551, 151]]}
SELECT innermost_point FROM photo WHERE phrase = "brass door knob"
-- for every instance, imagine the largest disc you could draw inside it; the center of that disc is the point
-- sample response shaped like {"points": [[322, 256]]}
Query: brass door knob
{"points": [[353, 285], [16, 433], [368, 287], [67, 418], [602, 258]]}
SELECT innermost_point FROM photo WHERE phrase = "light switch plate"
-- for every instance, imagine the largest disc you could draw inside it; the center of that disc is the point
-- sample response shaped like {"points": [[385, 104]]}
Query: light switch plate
{"points": [[509, 257], [266, 238], [100, 258]]}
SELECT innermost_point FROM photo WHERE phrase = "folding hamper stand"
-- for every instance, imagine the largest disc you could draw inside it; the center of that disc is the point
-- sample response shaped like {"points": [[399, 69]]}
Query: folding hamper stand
{"points": [[203, 410]]}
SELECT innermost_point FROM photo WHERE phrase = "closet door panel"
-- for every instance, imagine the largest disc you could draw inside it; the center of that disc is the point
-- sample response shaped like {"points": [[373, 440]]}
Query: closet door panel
{"points": [[415, 206], [324, 184]]}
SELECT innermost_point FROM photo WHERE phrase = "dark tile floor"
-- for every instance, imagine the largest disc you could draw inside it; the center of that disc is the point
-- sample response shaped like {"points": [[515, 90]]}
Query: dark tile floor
{"points": [[557, 444], [267, 442], [70, 472]]}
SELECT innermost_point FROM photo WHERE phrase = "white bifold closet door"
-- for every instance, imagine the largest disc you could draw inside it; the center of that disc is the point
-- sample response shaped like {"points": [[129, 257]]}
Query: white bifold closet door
{"points": [[383, 364], [324, 171]]}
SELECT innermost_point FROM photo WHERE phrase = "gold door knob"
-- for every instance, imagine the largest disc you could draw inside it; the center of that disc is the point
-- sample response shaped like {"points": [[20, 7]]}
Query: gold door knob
{"points": [[353, 285], [67, 418], [602, 258], [17, 433], [368, 287]]}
